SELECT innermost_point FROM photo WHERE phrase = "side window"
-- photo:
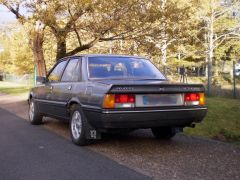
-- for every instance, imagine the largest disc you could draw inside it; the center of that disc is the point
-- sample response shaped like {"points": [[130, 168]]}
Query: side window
{"points": [[55, 75], [72, 72]]}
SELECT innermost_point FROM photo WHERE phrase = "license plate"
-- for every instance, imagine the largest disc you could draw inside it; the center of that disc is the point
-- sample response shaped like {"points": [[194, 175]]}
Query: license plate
{"points": [[153, 100]]}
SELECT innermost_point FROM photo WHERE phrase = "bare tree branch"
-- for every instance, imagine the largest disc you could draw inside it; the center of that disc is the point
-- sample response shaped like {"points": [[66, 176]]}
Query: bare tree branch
{"points": [[217, 14], [222, 36], [83, 47], [15, 11], [75, 17], [75, 28]]}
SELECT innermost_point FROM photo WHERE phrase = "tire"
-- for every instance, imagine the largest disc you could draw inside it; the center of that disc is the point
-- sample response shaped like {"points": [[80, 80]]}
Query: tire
{"points": [[163, 132], [34, 116], [78, 126]]}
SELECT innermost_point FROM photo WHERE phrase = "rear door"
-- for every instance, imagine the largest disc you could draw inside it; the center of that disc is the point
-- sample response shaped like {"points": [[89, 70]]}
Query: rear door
{"points": [[62, 92]]}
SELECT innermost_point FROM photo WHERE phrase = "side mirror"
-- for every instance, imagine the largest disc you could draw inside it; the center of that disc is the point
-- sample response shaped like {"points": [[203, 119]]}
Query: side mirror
{"points": [[41, 80]]}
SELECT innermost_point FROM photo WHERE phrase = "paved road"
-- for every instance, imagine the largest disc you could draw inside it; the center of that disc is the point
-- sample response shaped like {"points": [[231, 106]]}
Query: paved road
{"points": [[32, 152]]}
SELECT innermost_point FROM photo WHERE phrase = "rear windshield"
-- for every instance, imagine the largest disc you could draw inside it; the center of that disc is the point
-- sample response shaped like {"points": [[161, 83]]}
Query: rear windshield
{"points": [[122, 68]]}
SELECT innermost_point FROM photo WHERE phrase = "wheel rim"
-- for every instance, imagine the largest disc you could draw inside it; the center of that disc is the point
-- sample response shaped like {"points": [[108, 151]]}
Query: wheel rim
{"points": [[31, 111], [76, 125]]}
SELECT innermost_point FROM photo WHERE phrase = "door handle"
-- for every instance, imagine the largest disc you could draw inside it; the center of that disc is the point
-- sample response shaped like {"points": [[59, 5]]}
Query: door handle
{"points": [[88, 91], [69, 87]]}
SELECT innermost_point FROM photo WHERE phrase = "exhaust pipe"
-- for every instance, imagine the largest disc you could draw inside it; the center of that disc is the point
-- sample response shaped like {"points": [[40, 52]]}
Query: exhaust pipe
{"points": [[192, 125]]}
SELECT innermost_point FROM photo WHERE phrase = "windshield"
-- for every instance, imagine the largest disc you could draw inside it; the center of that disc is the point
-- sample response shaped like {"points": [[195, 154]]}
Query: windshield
{"points": [[122, 68]]}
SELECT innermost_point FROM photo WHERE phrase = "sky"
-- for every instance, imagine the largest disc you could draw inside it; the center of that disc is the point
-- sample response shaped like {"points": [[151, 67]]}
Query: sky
{"points": [[6, 16]]}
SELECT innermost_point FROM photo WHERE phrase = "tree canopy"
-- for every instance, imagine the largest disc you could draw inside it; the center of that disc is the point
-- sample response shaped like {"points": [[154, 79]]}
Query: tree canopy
{"points": [[175, 32]]}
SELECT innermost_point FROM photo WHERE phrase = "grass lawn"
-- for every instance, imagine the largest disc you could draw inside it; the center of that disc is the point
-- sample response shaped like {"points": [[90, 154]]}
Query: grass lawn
{"points": [[13, 88], [222, 121]]}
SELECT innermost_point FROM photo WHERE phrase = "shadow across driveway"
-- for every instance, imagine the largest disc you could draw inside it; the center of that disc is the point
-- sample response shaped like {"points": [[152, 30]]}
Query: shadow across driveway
{"points": [[32, 152]]}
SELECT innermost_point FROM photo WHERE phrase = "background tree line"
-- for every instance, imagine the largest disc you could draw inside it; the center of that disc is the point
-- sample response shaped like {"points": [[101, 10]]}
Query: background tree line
{"points": [[172, 33]]}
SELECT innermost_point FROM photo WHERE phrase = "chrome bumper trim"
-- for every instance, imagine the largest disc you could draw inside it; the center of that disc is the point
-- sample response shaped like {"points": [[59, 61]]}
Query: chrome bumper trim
{"points": [[149, 111]]}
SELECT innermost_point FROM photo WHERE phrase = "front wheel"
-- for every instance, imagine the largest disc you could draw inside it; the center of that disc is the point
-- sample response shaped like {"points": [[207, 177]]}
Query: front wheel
{"points": [[34, 116], [164, 132], [78, 126]]}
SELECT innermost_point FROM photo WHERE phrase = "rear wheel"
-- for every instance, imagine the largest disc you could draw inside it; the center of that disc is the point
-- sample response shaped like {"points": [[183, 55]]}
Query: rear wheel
{"points": [[78, 126], [164, 132], [34, 116]]}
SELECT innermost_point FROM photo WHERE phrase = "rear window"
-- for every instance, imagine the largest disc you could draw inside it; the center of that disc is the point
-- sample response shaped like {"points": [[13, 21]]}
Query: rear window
{"points": [[122, 68]]}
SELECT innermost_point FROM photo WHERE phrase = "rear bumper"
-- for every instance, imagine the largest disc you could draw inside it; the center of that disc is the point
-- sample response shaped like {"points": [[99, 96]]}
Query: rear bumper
{"points": [[145, 118]]}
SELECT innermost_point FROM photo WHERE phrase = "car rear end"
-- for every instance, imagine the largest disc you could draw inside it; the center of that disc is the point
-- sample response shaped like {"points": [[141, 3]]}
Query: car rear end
{"points": [[147, 106], [139, 96]]}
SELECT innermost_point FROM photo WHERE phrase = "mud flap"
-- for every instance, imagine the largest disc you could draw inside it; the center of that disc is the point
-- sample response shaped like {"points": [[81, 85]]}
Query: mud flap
{"points": [[92, 133]]}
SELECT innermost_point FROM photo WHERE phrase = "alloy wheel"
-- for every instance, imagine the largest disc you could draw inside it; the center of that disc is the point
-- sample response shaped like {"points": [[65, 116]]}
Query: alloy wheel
{"points": [[76, 125]]}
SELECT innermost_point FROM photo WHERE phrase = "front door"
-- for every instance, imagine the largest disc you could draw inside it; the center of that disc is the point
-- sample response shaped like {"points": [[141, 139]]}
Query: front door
{"points": [[46, 102]]}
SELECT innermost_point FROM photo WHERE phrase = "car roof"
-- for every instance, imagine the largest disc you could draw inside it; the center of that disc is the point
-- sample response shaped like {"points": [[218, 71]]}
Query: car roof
{"points": [[104, 55]]}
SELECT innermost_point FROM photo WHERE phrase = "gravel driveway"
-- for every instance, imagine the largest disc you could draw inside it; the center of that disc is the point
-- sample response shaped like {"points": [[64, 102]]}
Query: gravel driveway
{"points": [[184, 157]]}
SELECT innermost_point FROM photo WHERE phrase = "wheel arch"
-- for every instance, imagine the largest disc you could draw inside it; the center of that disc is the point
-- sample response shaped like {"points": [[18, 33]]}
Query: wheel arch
{"points": [[30, 96], [72, 102]]}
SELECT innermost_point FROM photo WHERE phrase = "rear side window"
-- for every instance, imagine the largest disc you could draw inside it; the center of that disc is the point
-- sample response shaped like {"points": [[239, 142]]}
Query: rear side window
{"points": [[72, 71], [55, 75]]}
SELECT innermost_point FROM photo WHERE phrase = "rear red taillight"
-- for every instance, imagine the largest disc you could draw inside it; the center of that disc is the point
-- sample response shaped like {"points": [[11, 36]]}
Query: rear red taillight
{"points": [[124, 98], [119, 100], [194, 99]]}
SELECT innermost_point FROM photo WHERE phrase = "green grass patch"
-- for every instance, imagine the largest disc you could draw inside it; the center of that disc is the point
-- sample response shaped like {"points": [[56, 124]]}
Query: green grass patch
{"points": [[222, 121], [13, 88]]}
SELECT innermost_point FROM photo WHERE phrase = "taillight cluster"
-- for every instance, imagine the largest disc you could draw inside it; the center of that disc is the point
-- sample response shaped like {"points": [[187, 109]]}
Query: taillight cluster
{"points": [[194, 99], [128, 100], [119, 101]]}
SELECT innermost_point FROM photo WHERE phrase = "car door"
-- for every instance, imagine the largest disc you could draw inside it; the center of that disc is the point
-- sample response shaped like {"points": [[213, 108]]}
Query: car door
{"points": [[46, 101], [62, 92]]}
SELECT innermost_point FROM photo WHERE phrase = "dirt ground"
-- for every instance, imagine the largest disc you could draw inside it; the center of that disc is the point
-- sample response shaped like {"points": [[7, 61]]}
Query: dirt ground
{"points": [[184, 157]]}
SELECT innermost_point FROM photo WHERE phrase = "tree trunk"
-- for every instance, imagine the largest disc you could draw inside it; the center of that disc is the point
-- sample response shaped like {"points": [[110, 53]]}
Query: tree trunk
{"points": [[37, 38], [163, 37], [164, 52], [223, 65], [216, 68], [38, 54], [206, 66], [210, 47], [164, 56], [61, 46]]}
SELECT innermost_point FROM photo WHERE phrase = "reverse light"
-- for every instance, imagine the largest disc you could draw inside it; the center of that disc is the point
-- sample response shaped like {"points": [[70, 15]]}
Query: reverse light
{"points": [[194, 99], [119, 101]]}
